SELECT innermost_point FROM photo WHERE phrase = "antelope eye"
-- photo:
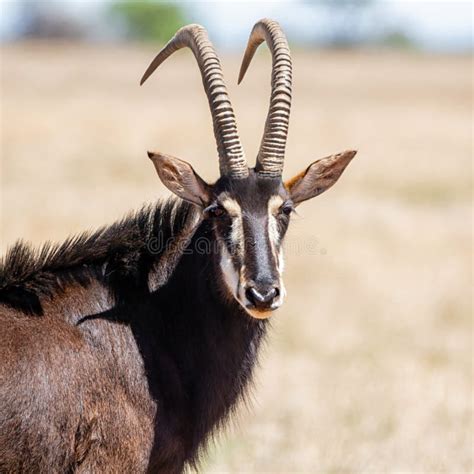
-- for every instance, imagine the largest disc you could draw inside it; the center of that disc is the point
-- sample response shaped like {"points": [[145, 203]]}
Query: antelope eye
{"points": [[215, 210], [286, 209]]}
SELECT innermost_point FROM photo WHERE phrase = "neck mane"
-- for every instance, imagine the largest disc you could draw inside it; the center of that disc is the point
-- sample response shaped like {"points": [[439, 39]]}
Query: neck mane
{"points": [[121, 257]]}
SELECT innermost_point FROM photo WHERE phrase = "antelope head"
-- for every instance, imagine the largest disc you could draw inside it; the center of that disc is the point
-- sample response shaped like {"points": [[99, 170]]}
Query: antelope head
{"points": [[249, 208]]}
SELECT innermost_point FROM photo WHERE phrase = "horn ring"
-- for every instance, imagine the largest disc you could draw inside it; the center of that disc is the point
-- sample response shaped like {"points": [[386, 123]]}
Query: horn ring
{"points": [[232, 160], [271, 155]]}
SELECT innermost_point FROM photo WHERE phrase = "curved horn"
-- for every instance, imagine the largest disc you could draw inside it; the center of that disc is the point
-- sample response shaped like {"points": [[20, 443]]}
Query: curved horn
{"points": [[231, 154], [272, 148]]}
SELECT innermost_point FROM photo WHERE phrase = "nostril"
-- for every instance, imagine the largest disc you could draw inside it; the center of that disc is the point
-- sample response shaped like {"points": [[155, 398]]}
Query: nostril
{"points": [[270, 295], [261, 298], [252, 295]]}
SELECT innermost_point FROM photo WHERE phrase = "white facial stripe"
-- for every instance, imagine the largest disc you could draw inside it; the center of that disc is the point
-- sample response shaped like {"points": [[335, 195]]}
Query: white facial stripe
{"points": [[231, 206], [281, 261], [273, 235], [231, 277], [237, 232], [281, 267], [274, 204], [237, 235]]}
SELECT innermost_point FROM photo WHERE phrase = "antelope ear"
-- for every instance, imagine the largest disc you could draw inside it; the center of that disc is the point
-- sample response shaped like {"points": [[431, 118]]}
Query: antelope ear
{"points": [[181, 179], [318, 177]]}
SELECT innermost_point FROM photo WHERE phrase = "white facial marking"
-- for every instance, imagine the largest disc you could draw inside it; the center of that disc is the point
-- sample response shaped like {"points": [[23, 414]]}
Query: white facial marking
{"points": [[274, 204], [281, 267], [231, 206], [237, 232], [231, 277]]}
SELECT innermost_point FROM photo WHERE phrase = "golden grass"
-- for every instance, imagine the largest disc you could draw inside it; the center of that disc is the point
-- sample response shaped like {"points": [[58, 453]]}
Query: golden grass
{"points": [[369, 365]]}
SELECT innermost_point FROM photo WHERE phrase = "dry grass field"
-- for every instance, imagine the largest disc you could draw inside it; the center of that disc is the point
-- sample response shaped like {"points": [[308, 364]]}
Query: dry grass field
{"points": [[369, 364]]}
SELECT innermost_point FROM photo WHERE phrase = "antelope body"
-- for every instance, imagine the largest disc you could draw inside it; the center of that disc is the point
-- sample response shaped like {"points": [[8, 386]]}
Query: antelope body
{"points": [[121, 354]]}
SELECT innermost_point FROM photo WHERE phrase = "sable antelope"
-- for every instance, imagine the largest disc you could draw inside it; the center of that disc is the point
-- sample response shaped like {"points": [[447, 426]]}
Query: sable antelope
{"points": [[118, 355]]}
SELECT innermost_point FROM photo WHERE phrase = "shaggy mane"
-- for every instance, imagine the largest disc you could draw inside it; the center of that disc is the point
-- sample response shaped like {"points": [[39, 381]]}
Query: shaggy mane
{"points": [[119, 256]]}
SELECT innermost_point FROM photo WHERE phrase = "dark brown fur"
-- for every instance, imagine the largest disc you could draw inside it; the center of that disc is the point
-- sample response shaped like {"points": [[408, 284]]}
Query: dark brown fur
{"points": [[137, 386]]}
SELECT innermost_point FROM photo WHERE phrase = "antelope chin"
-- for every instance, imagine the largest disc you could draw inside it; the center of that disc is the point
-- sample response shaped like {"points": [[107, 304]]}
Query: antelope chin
{"points": [[257, 314]]}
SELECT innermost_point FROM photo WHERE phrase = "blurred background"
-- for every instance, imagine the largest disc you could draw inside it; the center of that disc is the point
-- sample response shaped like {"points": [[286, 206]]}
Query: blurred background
{"points": [[369, 364]]}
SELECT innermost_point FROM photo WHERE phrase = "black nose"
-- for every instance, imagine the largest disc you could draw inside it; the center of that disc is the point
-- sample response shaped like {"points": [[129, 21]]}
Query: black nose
{"points": [[262, 298]]}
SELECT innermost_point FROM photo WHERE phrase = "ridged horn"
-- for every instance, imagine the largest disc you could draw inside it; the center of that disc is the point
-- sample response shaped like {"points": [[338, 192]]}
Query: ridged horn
{"points": [[272, 148], [231, 154]]}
